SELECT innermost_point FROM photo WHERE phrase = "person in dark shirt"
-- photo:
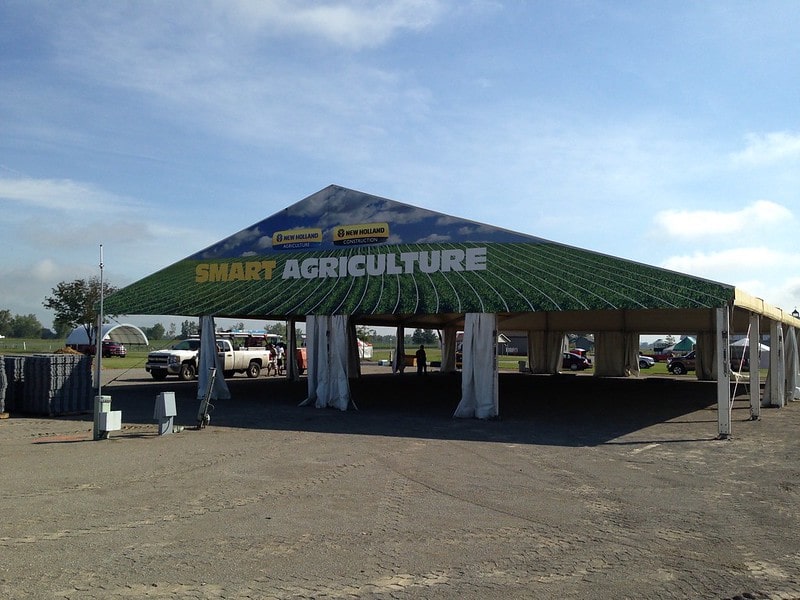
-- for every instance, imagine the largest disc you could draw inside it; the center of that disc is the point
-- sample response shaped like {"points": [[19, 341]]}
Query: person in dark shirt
{"points": [[422, 361]]}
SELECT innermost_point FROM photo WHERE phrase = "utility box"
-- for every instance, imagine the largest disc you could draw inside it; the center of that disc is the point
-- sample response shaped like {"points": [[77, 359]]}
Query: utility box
{"points": [[165, 405], [104, 403], [165, 411], [105, 419], [110, 420]]}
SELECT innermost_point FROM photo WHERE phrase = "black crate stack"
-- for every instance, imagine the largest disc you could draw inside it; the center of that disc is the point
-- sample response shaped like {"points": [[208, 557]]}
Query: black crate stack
{"points": [[3, 385], [49, 384], [15, 381]]}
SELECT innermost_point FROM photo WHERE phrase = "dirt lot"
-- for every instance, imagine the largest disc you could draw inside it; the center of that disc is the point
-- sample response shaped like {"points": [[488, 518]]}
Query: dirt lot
{"points": [[583, 489]]}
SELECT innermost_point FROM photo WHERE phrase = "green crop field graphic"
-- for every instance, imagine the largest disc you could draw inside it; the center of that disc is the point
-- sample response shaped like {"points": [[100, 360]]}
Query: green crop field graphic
{"points": [[516, 277]]}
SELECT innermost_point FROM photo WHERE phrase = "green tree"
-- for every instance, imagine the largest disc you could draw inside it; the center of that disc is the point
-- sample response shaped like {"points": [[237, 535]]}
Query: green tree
{"points": [[62, 330], [156, 332], [189, 328], [75, 304], [427, 336], [5, 323], [276, 328], [27, 326]]}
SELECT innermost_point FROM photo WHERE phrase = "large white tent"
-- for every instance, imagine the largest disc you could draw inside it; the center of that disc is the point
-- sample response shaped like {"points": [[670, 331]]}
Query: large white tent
{"points": [[378, 262]]}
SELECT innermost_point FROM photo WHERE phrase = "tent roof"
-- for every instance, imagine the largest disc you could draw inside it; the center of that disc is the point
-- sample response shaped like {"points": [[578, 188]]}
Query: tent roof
{"points": [[122, 333], [745, 343], [340, 251]]}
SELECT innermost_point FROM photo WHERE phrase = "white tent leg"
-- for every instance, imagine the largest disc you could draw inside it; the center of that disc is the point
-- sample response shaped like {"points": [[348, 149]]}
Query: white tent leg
{"points": [[754, 342], [723, 374], [479, 383], [776, 371]]}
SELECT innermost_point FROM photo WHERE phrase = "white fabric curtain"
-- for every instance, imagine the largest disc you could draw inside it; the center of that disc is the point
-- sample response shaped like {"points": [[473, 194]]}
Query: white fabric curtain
{"points": [[339, 386], [317, 359], [776, 345], [537, 352], [449, 350], [792, 365], [556, 346], [399, 358], [326, 341], [544, 351], [610, 354], [210, 358], [632, 353], [706, 357], [479, 397]]}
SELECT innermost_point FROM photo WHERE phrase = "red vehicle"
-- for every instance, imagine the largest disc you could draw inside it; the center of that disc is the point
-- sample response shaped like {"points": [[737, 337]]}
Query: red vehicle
{"points": [[300, 355], [680, 365], [110, 348], [575, 362]]}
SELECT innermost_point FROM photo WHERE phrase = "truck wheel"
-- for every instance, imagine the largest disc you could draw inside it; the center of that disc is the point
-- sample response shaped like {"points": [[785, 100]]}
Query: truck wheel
{"points": [[158, 374], [187, 372], [678, 369], [253, 369]]}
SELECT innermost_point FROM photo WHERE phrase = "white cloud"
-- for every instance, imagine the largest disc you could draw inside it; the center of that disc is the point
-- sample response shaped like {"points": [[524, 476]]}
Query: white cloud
{"points": [[353, 25], [758, 270], [768, 148], [687, 224], [732, 259], [59, 195]]}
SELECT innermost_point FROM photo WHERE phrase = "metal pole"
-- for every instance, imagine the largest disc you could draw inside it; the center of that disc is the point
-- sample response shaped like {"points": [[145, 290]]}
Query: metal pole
{"points": [[98, 356]]}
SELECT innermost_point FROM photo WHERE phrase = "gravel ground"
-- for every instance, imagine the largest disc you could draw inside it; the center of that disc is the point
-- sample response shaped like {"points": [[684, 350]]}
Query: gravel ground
{"points": [[583, 489]]}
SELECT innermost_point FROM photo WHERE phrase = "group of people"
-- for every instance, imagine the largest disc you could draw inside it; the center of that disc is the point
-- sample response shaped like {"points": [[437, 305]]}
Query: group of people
{"points": [[277, 353]]}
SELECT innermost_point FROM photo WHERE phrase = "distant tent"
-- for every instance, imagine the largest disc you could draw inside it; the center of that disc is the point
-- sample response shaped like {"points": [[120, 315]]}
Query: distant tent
{"points": [[122, 333], [741, 348], [687, 344]]}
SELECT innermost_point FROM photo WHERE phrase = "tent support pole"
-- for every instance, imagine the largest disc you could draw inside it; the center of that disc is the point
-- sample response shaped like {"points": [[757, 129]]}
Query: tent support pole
{"points": [[723, 374], [754, 350]]}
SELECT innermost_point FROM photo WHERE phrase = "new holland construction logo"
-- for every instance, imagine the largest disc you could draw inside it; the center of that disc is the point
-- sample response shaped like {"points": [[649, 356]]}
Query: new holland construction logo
{"points": [[361, 234]]}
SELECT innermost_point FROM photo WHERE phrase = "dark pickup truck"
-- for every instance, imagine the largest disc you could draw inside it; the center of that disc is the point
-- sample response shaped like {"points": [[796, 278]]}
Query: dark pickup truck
{"points": [[680, 365]]}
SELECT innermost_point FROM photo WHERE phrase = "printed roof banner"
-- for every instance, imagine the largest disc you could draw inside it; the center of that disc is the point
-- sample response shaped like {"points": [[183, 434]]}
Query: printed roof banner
{"points": [[341, 251]]}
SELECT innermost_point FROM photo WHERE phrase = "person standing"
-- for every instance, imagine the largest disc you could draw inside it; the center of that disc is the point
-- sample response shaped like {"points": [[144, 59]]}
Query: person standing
{"points": [[422, 361]]}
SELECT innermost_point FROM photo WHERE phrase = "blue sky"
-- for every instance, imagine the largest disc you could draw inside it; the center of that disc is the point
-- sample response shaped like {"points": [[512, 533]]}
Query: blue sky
{"points": [[662, 132]]}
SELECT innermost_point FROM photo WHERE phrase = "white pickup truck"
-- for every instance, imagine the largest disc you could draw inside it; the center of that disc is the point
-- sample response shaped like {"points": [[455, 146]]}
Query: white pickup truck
{"points": [[182, 359]]}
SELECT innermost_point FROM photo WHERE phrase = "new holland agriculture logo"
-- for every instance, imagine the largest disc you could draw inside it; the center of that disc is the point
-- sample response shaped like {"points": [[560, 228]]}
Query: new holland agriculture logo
{"points": [[358, 235], [293, 239]]}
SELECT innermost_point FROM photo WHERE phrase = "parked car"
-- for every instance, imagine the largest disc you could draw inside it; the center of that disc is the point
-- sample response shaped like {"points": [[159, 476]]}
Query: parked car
{"points": [[112, 348], [575, 362], [680, 365], [645, 362]]}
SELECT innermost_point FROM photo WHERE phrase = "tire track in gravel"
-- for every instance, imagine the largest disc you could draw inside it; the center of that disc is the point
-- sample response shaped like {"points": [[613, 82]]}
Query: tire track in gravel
{"points": [[211, 504]]}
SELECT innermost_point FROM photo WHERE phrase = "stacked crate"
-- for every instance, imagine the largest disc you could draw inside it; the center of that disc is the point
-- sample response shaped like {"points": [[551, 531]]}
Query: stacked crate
{"points": [[49, 384], [14, 375], [3, 385]]}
